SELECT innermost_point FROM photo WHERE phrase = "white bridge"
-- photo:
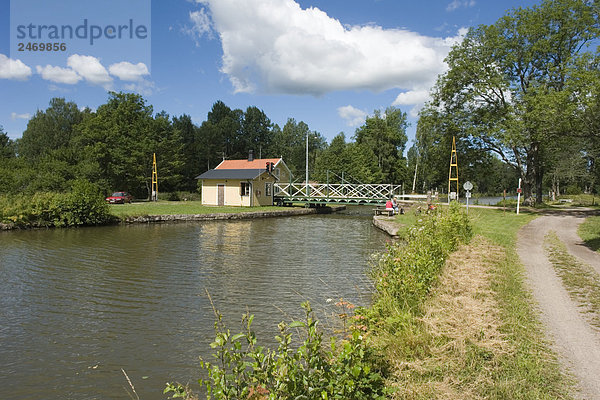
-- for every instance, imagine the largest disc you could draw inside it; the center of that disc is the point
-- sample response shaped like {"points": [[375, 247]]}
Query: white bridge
{"points": [[340, 193]]}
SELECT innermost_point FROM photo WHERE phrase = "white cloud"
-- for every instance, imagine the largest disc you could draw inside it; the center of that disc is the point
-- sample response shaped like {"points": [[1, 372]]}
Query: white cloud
{"points": [[456, 4], [416, 97], [201, 25], [411, 97], [58, 74], [90, 69], [142, 87], [127, 71], [15, 116], [13, 69], [278, 47], [353, 116]]}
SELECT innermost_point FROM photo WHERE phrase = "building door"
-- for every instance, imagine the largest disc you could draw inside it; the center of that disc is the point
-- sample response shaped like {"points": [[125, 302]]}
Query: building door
{"points": [[221, 195]]}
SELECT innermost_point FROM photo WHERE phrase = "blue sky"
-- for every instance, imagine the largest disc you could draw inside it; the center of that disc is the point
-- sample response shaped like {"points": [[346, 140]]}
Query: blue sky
{"points": [[328, 63]]}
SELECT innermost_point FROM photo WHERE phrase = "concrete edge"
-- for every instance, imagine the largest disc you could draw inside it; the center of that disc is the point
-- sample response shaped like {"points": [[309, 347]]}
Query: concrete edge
{"points": [[387, 225]]}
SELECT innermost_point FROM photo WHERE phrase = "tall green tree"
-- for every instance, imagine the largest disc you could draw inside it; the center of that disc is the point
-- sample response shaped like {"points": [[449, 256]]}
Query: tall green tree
{"points": [[118, 142], [256, 132], [7, 148], [385, 134], [50, 130], [506, 88], [354, 162], [191, 150]]}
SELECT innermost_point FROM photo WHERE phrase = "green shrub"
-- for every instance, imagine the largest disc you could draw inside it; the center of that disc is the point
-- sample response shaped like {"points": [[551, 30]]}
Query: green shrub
{"points": [[179, 196], [244, 370], [84, 205], [407, 272]]}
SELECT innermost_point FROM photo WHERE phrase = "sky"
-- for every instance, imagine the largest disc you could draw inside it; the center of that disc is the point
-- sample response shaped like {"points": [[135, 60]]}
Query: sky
{"points": [[329, 63]]}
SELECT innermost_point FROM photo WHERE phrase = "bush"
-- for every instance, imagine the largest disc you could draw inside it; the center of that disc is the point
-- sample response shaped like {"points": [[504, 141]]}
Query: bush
{"points": [[84, 205], [179, 196], [244, 370]]}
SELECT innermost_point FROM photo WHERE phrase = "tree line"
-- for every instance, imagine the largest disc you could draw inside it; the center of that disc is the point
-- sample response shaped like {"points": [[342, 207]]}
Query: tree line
{"points": [[113, 146]]}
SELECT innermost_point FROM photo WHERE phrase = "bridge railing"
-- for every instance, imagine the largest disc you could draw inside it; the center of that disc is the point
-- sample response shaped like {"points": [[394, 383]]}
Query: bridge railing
{"points": [[338, 191]]}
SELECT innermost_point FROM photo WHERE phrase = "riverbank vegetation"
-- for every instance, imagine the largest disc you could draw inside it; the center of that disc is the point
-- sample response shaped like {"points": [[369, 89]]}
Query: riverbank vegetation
{"points": [[84, 204]]}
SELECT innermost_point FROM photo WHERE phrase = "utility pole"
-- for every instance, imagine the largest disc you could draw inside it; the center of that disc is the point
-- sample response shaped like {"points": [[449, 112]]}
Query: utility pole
{"points": [[154, 179]]}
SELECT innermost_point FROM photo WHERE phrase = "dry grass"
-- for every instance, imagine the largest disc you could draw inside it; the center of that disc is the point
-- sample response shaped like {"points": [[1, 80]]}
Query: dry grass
{"points": [[462, 325]]}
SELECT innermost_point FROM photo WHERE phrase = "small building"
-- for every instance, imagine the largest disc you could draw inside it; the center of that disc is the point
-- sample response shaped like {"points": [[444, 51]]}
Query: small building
{"points": [[245, 183]]}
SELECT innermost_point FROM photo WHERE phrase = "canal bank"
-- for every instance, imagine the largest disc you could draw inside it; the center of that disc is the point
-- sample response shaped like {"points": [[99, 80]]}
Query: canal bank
{"points": [[244, 215], [387, 224], [190, 217]]}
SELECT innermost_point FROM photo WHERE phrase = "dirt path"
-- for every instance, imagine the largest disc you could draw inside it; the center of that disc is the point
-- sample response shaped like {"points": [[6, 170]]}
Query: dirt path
{"points": [[575, 340]]}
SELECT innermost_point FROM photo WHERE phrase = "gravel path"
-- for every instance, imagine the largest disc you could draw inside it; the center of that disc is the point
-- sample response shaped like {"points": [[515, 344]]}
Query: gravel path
{"points": [[575, 340]]}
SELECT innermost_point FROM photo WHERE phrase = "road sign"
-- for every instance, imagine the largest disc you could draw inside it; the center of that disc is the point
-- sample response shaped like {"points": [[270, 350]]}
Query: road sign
{"points": [[519, 190], [468, 196], [452, 195], [468, 185]]}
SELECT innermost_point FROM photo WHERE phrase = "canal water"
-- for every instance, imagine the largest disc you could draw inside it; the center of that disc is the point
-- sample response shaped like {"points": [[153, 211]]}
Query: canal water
{"points": [[77, 305]]}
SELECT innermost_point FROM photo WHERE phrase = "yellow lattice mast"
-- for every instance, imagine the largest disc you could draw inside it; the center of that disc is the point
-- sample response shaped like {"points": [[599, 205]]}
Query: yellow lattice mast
{"points": [[154, 180], [453, 177]]}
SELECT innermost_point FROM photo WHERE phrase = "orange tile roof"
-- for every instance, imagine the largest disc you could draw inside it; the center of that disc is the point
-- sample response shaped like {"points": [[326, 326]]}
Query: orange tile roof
{"points": [[245, 164]]}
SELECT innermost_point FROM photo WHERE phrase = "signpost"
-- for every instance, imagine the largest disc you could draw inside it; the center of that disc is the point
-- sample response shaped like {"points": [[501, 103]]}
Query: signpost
{"points": [[468, 186], [518, 196]]}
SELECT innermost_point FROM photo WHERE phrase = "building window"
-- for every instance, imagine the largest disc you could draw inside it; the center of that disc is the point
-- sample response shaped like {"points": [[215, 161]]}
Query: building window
{"points": [[245, 189], [267, 188], [277, 172]]}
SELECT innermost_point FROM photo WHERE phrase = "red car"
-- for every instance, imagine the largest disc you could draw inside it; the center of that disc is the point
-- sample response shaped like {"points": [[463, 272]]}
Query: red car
{"points": [[119, 197]]}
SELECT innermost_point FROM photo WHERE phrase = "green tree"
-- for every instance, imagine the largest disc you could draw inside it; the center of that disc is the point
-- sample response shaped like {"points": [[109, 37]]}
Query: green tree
{"points": [[386, 136], [118, 142], [356, 163], [50, 130], [256, 132], [191, 150], [7, 148], [506, 89]]}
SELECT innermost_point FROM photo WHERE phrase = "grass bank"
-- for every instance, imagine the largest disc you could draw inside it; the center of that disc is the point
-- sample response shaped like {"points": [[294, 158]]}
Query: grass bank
{"points": [[476, 334], [179, 208], [589, 232], [581, 281]]}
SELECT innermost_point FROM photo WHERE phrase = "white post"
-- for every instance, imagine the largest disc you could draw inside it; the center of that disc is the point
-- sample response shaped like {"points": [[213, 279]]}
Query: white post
{"points": [[306, 187], [519, 196], [415, 177]]}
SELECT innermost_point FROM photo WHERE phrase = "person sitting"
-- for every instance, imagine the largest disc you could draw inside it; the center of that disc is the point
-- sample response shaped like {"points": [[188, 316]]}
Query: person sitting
{"points": [[389, 205], [395, 205]]}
